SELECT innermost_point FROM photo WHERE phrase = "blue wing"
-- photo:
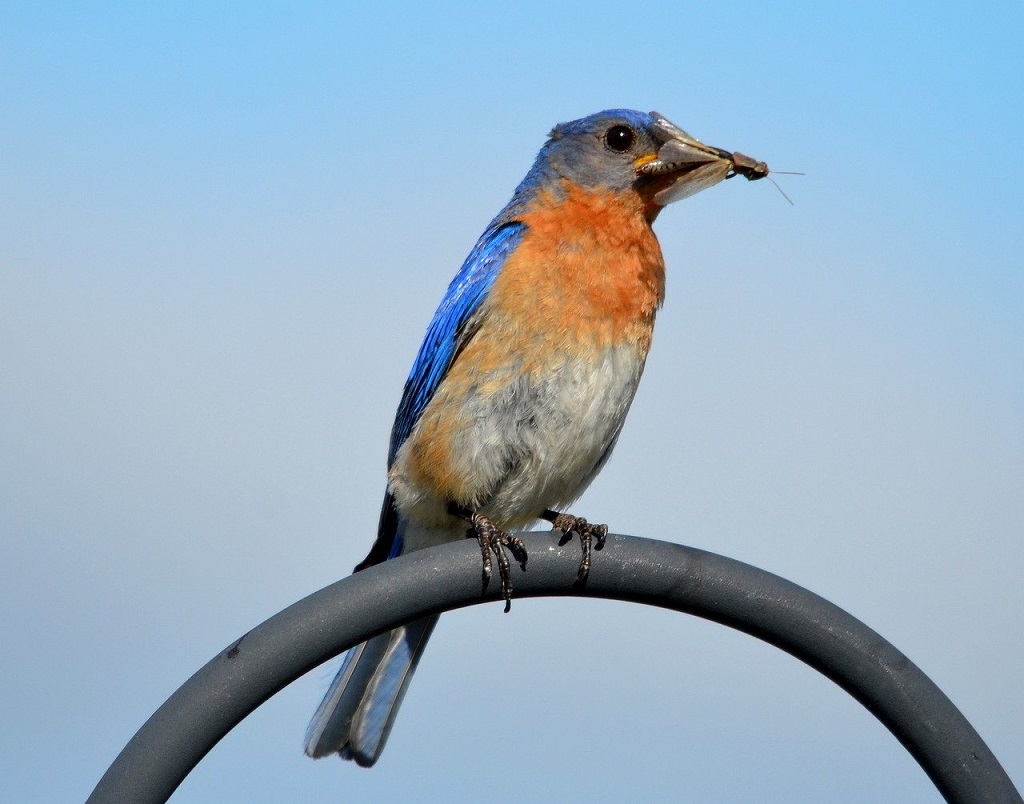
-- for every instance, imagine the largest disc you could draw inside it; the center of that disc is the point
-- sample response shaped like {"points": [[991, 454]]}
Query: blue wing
{"points": [[446, 335], [448, 332]]}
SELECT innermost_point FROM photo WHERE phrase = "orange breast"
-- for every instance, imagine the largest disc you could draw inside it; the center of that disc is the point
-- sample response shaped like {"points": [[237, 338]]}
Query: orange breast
{"points": [[589, 270]]}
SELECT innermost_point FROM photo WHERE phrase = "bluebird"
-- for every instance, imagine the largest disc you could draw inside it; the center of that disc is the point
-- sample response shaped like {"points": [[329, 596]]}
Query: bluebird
{"points": [[521, 386]]}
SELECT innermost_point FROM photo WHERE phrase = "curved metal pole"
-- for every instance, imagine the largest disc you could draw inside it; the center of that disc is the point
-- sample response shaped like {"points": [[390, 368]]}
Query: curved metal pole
{"points": [[308, 633]]}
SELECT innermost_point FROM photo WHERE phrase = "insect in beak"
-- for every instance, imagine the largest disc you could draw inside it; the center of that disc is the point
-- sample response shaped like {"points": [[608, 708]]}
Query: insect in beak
{"points": [[686, 165]]}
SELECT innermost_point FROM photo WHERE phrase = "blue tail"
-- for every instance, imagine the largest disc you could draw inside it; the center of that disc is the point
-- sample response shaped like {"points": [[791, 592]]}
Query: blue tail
{"points": [[355, 717]]}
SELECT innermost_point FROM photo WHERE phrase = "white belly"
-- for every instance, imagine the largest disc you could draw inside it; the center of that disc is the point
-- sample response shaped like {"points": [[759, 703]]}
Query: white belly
{"points": [[536, 443]]}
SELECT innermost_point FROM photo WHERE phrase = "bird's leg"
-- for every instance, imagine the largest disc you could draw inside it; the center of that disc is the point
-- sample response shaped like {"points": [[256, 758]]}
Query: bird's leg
{"points": [[493, 539], [567, 523]]}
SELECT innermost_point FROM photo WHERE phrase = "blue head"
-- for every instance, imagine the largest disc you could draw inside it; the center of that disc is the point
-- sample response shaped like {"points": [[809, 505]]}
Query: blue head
{"points": [[622, 150]]}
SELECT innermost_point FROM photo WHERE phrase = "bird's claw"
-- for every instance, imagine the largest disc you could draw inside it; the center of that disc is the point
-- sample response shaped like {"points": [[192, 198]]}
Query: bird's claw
{"points": [[493, 539], [567, 523]]}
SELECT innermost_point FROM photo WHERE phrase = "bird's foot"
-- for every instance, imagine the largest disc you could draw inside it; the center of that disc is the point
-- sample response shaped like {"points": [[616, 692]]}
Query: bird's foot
{"points": [[493, 539], [588, 533]]}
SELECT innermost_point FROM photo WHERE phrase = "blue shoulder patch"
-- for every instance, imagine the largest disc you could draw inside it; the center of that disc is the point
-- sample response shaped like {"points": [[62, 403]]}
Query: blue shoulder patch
{"points": [[447, 331]]}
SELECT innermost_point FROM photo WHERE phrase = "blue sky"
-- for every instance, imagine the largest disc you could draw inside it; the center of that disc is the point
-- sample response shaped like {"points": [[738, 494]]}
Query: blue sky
{"points": [[222, 234]]}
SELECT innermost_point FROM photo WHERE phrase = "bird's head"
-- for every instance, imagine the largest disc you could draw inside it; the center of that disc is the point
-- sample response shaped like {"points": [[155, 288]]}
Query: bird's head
{"points": [[626, 150]]}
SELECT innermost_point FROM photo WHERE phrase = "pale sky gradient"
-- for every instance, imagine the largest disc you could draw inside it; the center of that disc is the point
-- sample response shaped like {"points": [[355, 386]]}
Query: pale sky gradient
{"points": [[222, 235]]}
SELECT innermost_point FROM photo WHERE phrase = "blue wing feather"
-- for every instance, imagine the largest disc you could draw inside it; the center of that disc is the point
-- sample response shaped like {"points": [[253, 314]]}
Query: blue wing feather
{"points": [[447, 331]]}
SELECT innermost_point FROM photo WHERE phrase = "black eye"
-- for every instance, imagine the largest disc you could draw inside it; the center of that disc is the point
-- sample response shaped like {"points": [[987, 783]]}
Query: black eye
{"points": [[619, 138]]}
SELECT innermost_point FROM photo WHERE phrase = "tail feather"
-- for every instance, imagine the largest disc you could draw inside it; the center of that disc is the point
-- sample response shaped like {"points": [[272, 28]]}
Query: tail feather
{"points": [[355, 717]]}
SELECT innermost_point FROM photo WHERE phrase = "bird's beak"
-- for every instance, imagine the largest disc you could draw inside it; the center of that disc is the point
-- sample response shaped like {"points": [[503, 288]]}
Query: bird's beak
{"points": [[683, 165]]}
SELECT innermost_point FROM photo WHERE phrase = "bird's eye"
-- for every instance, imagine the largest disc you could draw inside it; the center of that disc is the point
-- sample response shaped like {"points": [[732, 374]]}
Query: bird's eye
{"points": [[619, 138]]}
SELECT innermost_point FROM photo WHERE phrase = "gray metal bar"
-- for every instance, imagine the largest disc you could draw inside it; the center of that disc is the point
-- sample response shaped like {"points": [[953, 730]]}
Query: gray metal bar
{"points": [[265, 660]]}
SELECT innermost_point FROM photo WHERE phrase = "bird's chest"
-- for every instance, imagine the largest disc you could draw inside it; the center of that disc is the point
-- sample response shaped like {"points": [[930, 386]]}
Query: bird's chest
{"points": [[589, 273], [534, 401]]}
